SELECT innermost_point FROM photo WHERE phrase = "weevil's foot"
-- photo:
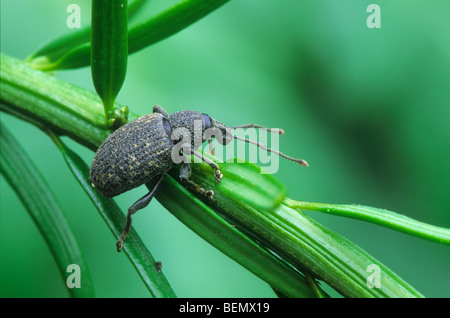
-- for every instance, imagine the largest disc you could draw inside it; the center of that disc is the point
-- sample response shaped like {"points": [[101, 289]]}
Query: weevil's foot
{"points": [[198, 189], [158, 266], [218, 175], [210, 195], [119, 244]]}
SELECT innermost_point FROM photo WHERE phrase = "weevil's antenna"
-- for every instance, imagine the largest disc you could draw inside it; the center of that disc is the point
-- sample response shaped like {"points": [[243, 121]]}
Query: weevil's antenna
{"points": [[263, 147], [274, 130]]}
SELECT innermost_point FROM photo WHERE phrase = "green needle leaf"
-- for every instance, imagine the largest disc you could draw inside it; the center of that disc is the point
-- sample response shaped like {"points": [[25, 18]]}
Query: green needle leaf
{"points": [[134, 248], [170, 22], [381, 217], [48, 54], [109, 50], [144, 34], [45, 211], [330, 257]]}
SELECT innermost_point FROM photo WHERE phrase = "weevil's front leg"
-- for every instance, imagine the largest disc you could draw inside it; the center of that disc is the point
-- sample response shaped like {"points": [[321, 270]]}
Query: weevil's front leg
{"points": [[211, 163], [185, 173], [211, 147], [138, 205]]}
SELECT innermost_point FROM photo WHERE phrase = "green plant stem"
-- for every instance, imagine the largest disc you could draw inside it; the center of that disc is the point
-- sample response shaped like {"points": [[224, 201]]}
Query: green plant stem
{"points": [[37, 97], [381, 217], [45, 211]]}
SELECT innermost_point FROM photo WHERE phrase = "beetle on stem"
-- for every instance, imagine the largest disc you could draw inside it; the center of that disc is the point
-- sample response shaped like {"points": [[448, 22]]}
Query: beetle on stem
{"points": [[143, 150]]}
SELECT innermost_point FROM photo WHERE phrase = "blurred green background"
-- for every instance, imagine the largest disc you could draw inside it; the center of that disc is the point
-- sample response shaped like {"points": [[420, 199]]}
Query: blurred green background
{"points": [[369, 109]]}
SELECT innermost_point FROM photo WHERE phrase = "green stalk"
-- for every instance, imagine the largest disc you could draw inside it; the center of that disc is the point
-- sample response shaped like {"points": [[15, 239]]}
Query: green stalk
{"points": [[109, 49], [45, 211], [37, 97]]}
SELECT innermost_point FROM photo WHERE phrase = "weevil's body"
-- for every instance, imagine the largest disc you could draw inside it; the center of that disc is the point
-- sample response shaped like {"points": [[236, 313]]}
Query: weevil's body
{"points": [[143, 150], [138, 152], [133, 155]]}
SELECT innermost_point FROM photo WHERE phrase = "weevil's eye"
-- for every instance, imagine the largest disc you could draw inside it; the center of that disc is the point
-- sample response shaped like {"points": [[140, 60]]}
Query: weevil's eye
{"points": [[206, 121]]}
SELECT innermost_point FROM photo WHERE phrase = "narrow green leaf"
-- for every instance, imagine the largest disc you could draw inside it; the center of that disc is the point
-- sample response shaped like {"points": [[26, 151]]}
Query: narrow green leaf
{"points": [[134, 7], [144, 34], [332, 258], [134, 248], [170, 22], [381, 217], [109, 50], [32, 190], [51, 52]]}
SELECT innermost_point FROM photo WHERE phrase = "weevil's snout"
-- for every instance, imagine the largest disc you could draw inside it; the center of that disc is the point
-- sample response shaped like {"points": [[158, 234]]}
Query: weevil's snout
{"points": [[214, 128], [225, 134]]}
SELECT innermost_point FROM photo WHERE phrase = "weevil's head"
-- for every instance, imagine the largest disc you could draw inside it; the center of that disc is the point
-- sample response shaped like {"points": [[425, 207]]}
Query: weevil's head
{"points": [[219, 131], [194, 126], [197, 128]]}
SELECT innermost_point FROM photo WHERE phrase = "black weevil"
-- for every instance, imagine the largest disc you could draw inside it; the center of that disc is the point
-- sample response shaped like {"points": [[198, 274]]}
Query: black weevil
{"points": [[143, 150]]}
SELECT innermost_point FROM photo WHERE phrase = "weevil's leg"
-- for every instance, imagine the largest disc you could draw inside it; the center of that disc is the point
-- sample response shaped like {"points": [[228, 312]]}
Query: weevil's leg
{"points": [[185, 173], [211, 147], [159, 109], [138, 205], [211, 163]]}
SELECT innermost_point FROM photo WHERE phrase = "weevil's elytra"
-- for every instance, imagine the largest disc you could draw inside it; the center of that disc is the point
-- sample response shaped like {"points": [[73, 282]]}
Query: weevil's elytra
{"points": [[132, 155], [141, 151]]}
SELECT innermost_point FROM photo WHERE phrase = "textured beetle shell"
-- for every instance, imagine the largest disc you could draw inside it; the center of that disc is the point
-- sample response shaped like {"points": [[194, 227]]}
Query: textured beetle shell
{"points": [[131, 156], [186, 119]]}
